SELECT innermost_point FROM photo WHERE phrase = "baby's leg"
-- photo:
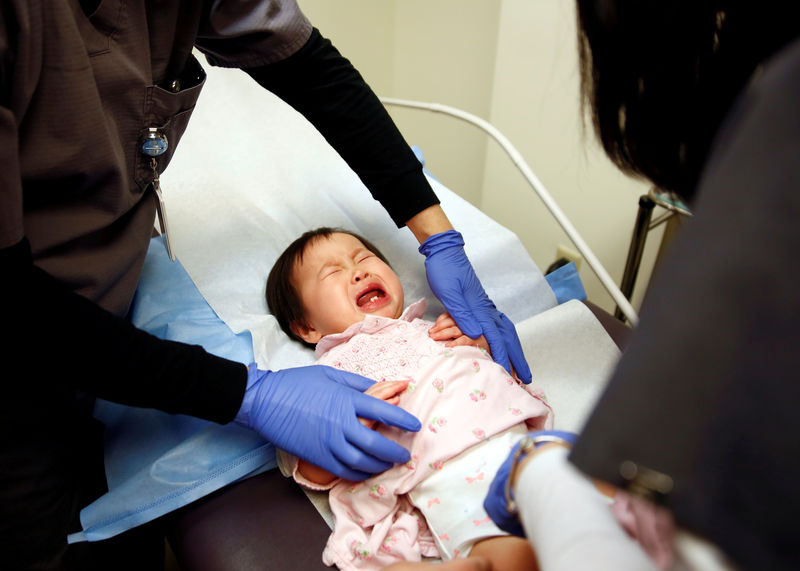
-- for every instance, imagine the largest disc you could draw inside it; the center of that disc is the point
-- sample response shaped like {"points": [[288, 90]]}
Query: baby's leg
{"points": [[462, 564], [500, 553], [506, 552]]}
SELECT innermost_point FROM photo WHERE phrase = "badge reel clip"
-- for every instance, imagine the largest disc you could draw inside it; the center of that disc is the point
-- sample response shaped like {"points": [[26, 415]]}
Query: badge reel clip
{"points": [[155, 144]]}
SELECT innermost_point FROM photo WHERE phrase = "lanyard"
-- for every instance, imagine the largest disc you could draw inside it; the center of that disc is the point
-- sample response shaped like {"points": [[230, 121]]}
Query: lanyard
{"points": [[155, 144]]}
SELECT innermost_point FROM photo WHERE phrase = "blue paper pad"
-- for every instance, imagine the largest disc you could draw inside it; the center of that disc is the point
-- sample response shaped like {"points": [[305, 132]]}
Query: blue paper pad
{"points": [[566, 283], [157, 462]]}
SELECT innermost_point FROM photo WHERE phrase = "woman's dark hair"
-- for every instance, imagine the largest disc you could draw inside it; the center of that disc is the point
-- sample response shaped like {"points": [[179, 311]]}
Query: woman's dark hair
{"points": [[282, 298], [659, 76]]}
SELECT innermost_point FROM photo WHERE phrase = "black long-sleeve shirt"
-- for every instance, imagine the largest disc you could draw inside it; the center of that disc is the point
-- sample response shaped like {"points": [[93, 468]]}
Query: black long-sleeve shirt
{"points": [[77, 207]]}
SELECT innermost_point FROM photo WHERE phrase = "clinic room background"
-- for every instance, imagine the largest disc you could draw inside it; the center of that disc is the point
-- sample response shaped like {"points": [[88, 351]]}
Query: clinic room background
{"points": [[513, 63]]}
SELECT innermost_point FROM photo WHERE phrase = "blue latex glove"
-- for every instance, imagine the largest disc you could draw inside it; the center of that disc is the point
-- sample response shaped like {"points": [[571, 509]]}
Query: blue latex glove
{"points": [[495, 502], [454, 282], [311, 413]]}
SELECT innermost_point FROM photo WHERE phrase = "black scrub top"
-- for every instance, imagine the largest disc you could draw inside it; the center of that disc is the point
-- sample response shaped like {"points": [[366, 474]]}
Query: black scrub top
{"points": [[78, 92], [708, 391]]}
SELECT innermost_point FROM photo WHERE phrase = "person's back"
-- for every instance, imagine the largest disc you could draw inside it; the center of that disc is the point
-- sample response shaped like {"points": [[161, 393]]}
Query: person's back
{"points": [[718, 330]]}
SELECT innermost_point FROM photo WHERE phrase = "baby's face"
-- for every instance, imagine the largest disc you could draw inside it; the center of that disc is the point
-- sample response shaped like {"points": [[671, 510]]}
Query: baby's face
{"points": [[340, 282]]}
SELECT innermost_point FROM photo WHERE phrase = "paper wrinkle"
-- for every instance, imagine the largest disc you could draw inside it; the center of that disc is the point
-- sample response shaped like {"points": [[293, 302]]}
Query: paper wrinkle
{"points": [[572, 358]]}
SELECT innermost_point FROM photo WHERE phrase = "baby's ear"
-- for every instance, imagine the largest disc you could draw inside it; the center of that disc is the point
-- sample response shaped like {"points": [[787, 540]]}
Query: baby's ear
{"points": [[305, 332]]}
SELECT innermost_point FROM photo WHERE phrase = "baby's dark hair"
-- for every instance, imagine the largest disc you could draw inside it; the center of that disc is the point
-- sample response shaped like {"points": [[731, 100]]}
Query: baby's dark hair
{"points": [[282, 298]]}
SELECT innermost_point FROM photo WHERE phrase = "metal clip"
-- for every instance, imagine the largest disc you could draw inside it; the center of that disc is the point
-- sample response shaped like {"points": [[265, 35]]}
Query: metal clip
{"points": [[153, 142], [645, 482], [161, 209]]}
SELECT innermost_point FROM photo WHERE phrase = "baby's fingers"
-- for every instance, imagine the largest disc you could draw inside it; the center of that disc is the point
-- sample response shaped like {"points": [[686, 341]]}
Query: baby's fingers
{"points": [[443, 321], [445, 334], [443, 317], [386, 389], [462, 340]]}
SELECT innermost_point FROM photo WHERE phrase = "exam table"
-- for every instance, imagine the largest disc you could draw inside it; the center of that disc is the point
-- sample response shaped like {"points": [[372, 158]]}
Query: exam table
{"points": [[213, 491]]}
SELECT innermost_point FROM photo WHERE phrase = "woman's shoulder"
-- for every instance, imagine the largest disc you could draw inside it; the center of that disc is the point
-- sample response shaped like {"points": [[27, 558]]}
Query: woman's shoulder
{"points": [[760, 137]]}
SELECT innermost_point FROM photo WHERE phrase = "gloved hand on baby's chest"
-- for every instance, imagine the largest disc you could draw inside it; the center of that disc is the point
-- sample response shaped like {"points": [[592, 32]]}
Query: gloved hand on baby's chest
{"points": [[311, 412]]}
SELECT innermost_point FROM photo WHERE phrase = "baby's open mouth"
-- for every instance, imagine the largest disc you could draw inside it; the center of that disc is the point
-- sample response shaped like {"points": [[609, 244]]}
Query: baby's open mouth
{"points": [[372, 295]]}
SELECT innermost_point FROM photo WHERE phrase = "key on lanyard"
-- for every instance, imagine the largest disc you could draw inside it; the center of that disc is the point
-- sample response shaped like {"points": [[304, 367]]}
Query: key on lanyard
{"points": [[155, 144]]}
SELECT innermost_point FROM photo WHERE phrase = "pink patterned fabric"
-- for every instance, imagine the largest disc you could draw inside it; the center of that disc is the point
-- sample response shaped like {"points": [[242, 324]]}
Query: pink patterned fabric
{"points": [[460, 396], [649, 524]]}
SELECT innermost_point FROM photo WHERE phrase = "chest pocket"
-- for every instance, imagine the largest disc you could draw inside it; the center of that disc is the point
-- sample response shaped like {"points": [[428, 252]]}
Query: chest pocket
{"points": [[168, 108]]}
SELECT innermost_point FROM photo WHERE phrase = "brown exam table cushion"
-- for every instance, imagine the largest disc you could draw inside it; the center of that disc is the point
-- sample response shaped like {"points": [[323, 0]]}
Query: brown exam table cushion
{"points": [[262, 523]]}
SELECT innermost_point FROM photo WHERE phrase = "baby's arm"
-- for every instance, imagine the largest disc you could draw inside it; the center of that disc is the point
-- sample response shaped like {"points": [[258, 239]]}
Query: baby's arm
{"points": [[388, 391]]}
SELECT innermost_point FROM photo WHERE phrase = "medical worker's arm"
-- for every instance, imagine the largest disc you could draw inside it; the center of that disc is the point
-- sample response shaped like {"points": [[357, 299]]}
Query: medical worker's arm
{"points": [[63, 339], [568, 522], [453, 280], [324, 87], [328, 91]]}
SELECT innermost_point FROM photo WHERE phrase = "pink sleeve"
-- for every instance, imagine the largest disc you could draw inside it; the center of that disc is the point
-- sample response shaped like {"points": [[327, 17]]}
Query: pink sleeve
{"points": [[288, 465], [651, 525]]}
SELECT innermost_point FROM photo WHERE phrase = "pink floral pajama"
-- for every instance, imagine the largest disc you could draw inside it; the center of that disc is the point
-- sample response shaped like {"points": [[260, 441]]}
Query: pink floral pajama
{"points": [[461, 397]]}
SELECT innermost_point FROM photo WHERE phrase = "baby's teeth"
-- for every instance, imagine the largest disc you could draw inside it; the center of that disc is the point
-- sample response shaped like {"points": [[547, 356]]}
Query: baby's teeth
{"points": [[373, 298]]}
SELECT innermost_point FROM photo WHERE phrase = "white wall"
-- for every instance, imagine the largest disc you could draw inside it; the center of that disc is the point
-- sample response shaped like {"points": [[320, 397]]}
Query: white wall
{"points": [[444, 52], [364, 31], [441, 50], [513, 62], [536, 105]]}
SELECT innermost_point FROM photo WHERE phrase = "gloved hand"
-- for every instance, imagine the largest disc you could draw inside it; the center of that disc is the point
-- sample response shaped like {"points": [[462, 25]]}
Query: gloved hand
{"points": [[495, 503], [311, 413], [454, 282]]}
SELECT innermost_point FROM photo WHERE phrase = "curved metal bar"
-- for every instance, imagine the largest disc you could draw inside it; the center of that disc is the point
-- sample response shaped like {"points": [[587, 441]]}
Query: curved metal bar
{"points": [[608, 283]]}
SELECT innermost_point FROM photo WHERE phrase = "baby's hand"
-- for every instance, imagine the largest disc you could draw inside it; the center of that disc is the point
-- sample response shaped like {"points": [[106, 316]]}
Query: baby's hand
{"points": [[445, 329], [388, 391]]}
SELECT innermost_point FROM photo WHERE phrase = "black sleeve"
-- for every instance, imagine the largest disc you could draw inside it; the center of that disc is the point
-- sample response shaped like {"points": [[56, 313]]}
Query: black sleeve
{"points": [[56, 336], [708, 390], [325, 88]]}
